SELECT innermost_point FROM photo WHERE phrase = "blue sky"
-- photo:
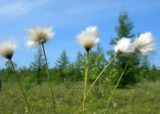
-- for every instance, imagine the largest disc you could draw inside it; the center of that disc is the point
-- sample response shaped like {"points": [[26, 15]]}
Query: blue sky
{"points": [[68, 18]]}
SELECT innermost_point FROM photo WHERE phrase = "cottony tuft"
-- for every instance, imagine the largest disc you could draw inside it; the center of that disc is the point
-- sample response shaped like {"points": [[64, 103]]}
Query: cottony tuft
{"points": [[39, 35], [7, 48], [88, 37]]}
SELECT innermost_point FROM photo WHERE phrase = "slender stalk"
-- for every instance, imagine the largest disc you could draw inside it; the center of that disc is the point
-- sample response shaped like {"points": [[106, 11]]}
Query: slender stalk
{"points": [[49, 79], [85, 79], [95, 82], [110, 98], [21, 88]]}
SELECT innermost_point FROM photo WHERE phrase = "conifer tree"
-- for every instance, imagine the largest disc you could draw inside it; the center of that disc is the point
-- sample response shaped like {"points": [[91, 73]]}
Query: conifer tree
{"points": [[125, 29], [38, 66], [62, 64], [79, 66]]}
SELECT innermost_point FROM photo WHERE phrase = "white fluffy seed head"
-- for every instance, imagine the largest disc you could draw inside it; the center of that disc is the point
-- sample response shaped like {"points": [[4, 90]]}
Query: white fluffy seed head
{"points": [[144, 43], [39, 35], [88, 37], [123, 46], [7, 48]]}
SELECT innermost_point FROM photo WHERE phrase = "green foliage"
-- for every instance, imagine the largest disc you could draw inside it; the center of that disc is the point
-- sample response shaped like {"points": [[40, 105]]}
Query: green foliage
{"points": [[96, 65], [7, 72], [143, 98], [154, 73], [38, 67], [79, 66], [1, 86], [62, 65], [80, 61], [97, 62], [145, 68], [124, 29]]}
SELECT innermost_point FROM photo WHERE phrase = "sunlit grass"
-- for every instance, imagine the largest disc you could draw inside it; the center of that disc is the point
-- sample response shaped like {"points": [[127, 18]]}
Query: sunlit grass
{"points": [[142, 98]]}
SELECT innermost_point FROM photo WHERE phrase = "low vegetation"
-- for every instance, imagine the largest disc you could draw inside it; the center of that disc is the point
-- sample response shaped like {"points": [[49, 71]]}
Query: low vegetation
{"points": [[143, 98]]}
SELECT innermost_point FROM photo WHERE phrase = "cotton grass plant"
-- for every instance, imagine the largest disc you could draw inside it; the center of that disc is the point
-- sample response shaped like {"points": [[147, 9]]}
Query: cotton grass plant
{"points": [[88, 38], [38, 36], [7, 50], [142, 45], [123, 46]]}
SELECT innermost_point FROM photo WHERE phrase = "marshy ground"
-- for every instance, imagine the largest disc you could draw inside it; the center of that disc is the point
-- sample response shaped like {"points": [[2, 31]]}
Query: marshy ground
{"points": [[142, 98]]}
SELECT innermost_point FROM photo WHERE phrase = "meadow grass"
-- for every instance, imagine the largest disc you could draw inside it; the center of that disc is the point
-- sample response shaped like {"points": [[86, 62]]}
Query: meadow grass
{"points": [[143, 98]]}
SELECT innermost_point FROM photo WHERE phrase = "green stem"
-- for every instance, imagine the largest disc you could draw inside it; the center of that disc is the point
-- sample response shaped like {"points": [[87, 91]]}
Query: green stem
{"points": [[85, 79], [95, 82], [21, 88], [110, 98], [49, 79]]}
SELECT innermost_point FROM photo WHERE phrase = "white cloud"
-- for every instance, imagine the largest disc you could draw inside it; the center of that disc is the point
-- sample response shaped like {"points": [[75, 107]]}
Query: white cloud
{"points": [[19, 7]]}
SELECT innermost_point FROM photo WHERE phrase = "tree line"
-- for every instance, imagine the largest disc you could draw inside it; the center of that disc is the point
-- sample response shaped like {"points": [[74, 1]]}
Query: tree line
{"points": [[138, 68]]}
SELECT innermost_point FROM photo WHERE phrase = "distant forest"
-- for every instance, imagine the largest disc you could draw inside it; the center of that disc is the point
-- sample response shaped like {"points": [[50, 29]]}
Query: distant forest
{"points": [[139, 67]]}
